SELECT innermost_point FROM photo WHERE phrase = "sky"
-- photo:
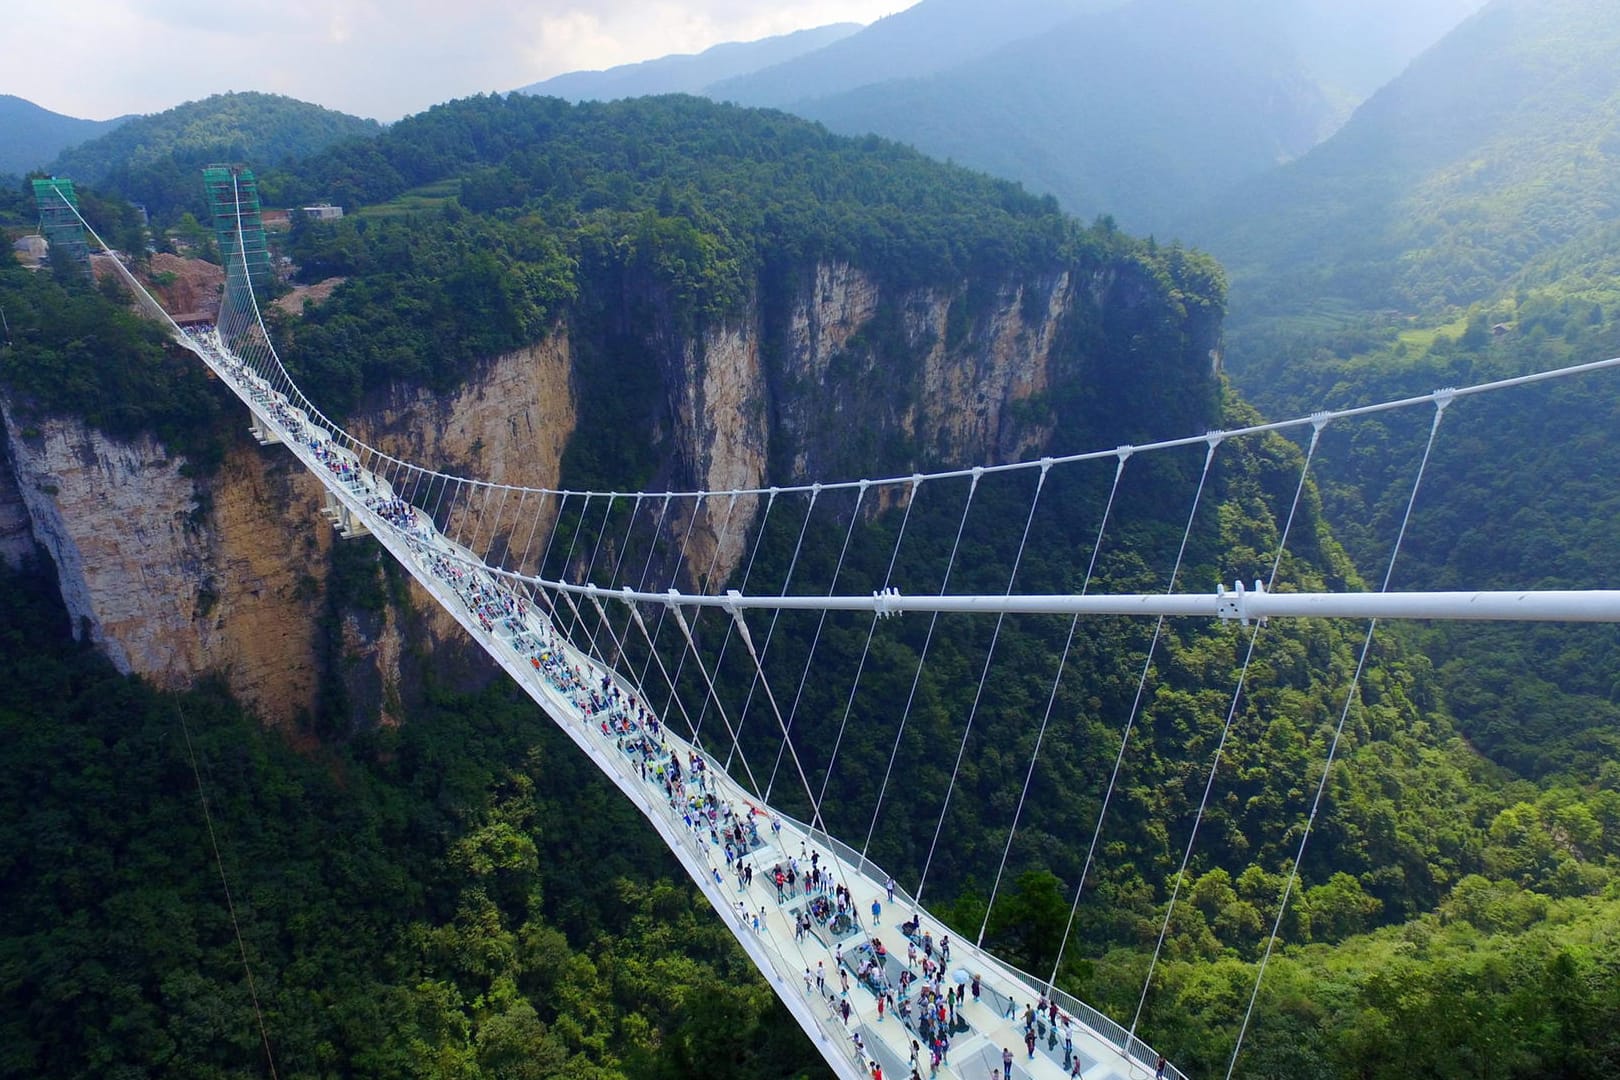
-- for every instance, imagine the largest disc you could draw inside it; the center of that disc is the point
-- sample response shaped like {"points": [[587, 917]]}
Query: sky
{"points": [[376, 58]]}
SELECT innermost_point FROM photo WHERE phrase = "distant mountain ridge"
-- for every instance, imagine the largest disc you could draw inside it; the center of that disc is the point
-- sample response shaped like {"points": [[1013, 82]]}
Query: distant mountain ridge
{"points": [[1500, 143], [31, 135], [689, 73], [927, 37], [1131, 108], [1129, 112]]}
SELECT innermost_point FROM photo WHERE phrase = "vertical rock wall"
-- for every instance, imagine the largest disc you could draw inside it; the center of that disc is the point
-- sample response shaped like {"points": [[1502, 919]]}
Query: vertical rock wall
{"points": [[828, 379], [173, 577]]}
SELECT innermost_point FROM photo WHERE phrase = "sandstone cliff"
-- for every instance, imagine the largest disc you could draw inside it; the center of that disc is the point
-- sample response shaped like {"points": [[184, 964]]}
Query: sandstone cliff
{"points": [[842, 379], [826, 374], [173, 576]]}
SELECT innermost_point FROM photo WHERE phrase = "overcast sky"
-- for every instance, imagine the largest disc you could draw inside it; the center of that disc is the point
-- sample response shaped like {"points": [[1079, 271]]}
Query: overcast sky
{"points": [[378, 58]]}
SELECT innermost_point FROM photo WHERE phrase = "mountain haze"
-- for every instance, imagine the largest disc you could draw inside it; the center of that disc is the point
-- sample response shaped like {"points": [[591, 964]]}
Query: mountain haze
{"points": [[1500, 142], [1132, 112], [927, 37], [30, 136], [689, 73], [1132, 108]]}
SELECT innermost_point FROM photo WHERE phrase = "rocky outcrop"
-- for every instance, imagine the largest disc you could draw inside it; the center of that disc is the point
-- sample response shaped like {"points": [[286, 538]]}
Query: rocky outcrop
{"points": [[842, 379], [170, 576]]}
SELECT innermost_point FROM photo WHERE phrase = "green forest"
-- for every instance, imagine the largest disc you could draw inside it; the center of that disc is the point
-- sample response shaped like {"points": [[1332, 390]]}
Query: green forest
{"points": [[460, 896]]}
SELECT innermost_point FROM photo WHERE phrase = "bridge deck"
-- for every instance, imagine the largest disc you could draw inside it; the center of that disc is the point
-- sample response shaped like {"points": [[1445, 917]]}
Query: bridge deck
{"points": [[693, 803]]}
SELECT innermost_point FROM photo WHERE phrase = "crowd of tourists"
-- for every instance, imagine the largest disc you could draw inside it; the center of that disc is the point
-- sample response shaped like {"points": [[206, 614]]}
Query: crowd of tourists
{"points": [[921, 994]]}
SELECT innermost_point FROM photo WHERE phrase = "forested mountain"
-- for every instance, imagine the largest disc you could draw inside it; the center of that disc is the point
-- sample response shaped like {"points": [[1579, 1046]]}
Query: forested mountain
{"points": [[464, 896], [465, 901], [1460, 228], [155, 159], [31, 136], [1495, 146], [689, 73], [1132, 109]]}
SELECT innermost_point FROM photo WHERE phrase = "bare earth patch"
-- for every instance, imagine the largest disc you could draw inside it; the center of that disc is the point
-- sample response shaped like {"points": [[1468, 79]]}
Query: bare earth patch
{"points": [[293, 302]]}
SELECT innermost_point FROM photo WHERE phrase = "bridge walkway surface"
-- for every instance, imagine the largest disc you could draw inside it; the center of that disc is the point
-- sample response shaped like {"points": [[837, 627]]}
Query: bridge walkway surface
{"points": [[697, 808]]}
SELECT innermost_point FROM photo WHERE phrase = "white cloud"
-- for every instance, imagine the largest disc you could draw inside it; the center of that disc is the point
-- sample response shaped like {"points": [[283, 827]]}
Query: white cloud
{"points": [[380, 58]]}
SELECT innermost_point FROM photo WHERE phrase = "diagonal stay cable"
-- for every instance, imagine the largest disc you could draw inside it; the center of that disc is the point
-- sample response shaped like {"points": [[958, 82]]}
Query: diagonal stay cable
{"points": [[707, 583], [770, 631], [1213, 439], [230, 905], [618, 564], [922, 658], [1226, 728], [984, 677], [748, 571], [871, 630], [1051, 700], [1333, 747], [815, 640], [681, 560]]}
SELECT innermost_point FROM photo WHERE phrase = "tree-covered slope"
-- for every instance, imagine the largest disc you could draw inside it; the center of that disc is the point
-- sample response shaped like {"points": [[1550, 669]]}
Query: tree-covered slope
{"points": [[1497, 144], [640, 226], [156, 159], [715, 212], [1460, 228], [459, 897], [31, 136], [1136, 110]]}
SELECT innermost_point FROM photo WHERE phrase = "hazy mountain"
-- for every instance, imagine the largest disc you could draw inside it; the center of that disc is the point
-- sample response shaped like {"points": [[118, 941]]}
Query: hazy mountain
{"points": [[926, 38], [1500, 142], [1132, 112], [689, 73], [1354, 48], [1133, 109], [30, 136]]}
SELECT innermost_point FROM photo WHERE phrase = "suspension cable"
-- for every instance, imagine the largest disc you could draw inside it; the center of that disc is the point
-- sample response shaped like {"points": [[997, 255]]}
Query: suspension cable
{"points": [[815, 640], [770, 631], [1214, 440], [748, 570], [871, 630], [1226, 730], [681, 560], [708, 583], [230, 905]]}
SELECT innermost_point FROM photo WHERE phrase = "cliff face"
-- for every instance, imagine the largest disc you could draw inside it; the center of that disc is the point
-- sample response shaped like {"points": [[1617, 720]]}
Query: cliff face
{"points": [[841, 379], [173, 576], [825, 376]]}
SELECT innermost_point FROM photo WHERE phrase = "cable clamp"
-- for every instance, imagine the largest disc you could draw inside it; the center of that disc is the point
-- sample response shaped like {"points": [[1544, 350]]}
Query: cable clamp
{"points": [[885, 602], [1235, 604]]}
